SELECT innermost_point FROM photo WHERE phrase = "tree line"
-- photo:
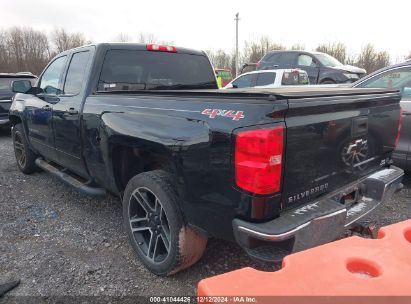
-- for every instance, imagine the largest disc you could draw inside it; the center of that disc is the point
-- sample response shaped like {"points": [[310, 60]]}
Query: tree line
{"points": [[369, 58], [23, 49], [29, 50]]}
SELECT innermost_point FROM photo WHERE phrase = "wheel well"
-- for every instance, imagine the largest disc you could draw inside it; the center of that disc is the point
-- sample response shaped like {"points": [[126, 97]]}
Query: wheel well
{"points": [[129, 161], [328, 79], [14, 120]]}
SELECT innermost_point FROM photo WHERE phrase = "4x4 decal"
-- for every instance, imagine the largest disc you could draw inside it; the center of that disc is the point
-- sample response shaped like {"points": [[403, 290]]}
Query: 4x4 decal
{"points": [[213, 113]]}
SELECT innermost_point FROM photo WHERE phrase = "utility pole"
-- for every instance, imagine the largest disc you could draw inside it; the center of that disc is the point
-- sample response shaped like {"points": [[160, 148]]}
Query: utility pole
{"points": [[236, 43]]}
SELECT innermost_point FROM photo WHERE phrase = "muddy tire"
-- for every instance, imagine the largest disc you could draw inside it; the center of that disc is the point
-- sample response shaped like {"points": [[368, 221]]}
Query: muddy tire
{"points": [[155, 225], [25, 157]]}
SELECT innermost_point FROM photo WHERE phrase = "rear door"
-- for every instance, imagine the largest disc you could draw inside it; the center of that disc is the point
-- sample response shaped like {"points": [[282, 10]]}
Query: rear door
{"points": [[265, 79], [308, 63], [66, 113], [336, 139], [282, 60]]}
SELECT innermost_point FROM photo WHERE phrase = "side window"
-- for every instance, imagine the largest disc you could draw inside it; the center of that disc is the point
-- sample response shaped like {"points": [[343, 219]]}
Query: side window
{"points": [[280, 58], [287, 58], [398, 79], [274, 58], [306, 60], [50, 79], [245, 81], [76, 73], [264, 79]]}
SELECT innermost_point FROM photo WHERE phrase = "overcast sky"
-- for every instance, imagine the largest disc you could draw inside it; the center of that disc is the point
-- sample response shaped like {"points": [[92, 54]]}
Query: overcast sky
{"points": [[210, 24]]}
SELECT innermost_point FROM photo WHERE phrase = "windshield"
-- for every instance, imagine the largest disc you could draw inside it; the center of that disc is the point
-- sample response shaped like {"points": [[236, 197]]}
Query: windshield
{"points": [[127, 70], [328, 60]]}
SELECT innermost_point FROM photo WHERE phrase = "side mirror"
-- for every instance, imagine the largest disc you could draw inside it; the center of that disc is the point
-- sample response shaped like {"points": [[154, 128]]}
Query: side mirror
{"points": [[21, 86]]}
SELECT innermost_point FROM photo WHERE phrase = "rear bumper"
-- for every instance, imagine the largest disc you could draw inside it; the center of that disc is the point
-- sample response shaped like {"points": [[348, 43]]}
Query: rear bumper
{"points": [[318, 222]]}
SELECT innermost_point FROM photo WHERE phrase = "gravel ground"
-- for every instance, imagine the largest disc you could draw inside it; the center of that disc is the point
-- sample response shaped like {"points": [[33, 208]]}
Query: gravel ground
{"points": [[59, 242]]}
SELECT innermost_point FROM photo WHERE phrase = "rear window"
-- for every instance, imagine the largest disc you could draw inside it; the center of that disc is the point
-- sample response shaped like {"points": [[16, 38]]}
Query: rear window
{"points": [[264, 79], [127, 70]]}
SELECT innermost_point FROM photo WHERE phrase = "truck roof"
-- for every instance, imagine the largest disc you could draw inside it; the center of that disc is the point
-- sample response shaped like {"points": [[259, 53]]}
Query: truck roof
{"points": [[136, 46]]}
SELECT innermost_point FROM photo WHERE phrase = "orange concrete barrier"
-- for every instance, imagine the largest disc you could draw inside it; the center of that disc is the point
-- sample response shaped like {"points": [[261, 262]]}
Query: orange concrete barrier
{"points": [[352, 270]]}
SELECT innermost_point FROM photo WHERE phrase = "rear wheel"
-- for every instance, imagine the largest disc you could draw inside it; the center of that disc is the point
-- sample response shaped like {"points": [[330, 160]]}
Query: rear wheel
{"points": [[155, 227], [25, 157]]}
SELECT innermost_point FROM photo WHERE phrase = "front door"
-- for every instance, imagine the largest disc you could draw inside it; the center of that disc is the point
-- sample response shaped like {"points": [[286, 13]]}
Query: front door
{"points": [[309, 64], [66, 114], [38, 110]]}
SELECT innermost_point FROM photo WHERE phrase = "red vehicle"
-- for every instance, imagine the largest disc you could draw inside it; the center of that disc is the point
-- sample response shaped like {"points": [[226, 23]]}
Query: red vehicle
{"points": [[225, 75]]}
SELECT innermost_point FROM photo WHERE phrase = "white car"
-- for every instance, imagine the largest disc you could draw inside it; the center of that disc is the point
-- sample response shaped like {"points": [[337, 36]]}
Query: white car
{"points": [[269, 79]]}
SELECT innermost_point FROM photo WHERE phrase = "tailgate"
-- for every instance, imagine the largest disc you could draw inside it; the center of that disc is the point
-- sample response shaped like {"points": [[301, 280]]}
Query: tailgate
{"points": [[335, 140]]}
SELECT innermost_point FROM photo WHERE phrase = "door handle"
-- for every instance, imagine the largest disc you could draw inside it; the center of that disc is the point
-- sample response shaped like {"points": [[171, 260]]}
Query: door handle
{"points": [[46, 108], [72, 111]]}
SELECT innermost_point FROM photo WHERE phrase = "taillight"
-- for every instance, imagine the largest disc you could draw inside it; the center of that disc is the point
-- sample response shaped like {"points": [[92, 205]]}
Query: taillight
{"points": [[161, 48], [397, 138], [258, 160]]}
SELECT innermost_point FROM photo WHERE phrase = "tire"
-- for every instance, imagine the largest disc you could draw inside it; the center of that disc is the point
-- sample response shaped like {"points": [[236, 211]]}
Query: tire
{"points": [[25, 157], [152, 215]]}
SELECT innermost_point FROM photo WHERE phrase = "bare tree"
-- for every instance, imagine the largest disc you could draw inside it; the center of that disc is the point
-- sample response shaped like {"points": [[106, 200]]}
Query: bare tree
{"points": [[351, 59], [144, 37], [122, 37], [253, 51], [65, 41], [3, 51], [408, 56], [23, 49], [372, 60], [335, 49], [219, 59], [298, 47]]}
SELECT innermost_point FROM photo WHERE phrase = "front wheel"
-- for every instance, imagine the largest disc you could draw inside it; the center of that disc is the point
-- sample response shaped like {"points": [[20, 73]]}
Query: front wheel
{"points": [[25, 157], [155, 226]]}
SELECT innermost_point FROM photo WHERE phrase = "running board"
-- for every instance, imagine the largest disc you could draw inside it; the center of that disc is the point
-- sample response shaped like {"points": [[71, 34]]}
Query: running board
{"points": [[68, 179]]}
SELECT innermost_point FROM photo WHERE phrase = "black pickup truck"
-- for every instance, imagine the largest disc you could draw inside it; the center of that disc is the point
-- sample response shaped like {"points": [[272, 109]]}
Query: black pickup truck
{"points": [[276, 170]]}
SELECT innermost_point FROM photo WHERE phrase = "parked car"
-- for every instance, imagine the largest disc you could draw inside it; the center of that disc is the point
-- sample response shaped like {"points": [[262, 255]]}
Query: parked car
{"points": [[276, 170], [225, 75], [6, 93], [399, 77], [269, 79], [321, 68]]}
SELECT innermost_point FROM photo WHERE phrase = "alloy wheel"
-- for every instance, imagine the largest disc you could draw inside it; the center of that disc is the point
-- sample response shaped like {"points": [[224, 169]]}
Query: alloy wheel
{"points": [[149, 225], [19, 150]]}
